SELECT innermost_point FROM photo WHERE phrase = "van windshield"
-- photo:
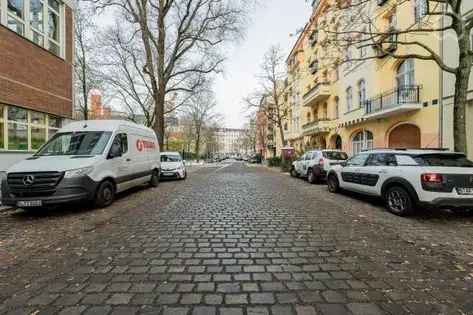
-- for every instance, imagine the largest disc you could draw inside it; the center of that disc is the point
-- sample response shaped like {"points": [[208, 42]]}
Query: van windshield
{"points": [[76, 143]]}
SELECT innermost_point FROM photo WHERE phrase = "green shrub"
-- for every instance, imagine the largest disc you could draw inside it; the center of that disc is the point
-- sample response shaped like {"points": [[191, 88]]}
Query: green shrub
{"points": [[274, 161], [286, 165]]}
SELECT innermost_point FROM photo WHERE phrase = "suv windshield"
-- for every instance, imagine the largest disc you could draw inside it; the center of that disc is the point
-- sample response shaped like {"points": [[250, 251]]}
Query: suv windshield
{"points": [[76, 143], [170, 158], [335, 155], [445, 160]]}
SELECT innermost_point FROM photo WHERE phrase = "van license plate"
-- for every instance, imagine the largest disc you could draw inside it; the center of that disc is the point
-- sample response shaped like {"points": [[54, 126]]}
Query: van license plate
{"points": [[30, 203], [465, 191]]}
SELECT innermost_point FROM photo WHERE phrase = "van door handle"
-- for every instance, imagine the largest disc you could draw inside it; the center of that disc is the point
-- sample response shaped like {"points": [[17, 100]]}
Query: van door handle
{"points": [[128, 160], [383, 172]]}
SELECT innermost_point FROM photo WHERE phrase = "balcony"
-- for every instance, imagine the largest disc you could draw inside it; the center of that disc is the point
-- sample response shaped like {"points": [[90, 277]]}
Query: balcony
{"points": [[320, 92], [395, 102], [317, 126]]}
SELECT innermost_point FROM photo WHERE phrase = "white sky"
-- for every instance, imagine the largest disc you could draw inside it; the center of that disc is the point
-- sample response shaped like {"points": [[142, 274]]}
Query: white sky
{"points": [[272, 23]]}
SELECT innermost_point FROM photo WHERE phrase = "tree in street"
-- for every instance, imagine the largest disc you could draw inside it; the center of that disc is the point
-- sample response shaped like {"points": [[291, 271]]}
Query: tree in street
{"points": [[201, 118], [87, 76], [269, 96], [182, 41]]}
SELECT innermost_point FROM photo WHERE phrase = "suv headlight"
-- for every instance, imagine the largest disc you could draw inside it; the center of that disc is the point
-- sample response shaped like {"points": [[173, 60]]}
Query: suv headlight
{"points": [[78, 172]]}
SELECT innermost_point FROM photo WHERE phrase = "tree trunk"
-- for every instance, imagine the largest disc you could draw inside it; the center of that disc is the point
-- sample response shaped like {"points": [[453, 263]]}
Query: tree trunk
{"points": [[460, 100], [161, 97]]}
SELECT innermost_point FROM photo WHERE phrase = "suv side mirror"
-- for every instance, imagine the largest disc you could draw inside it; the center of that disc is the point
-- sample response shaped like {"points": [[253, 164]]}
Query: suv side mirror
{"points": [[115, 151]]}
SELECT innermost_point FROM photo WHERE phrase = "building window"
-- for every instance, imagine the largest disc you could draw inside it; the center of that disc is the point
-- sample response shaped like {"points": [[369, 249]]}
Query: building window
{"points": [[420, 9], [16, 16], [349, 96], [36, 20], [363, 140], [362, 93], [23, 130], [405, 76], [17, 128]]}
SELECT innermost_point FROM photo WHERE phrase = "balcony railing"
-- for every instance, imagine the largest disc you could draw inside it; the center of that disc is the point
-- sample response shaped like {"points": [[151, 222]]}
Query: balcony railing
{"points": [[319, 92], [314, 123], [394, 98]]}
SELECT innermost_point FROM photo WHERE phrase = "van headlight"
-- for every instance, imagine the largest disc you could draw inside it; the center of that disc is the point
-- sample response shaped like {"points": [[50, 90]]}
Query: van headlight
{"points": [[78, 172]]}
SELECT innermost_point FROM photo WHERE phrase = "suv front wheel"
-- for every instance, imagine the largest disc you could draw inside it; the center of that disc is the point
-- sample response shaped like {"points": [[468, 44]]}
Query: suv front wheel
{"points": [[333, 184], [399, 201]]}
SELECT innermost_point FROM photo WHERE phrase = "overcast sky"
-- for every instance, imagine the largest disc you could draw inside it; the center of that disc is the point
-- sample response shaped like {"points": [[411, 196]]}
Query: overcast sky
{"points": [[272, 23]]}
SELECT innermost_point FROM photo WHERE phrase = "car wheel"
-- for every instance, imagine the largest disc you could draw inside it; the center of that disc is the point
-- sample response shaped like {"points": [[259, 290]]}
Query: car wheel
{"points": [[399, 201], [311, 177], [294, 173], [154, 181], [333, 184], [105, 194]]}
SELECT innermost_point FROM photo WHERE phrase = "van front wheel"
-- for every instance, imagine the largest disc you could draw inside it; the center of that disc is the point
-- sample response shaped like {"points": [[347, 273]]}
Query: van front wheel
{"points": [[154, 181], [105, 194]]}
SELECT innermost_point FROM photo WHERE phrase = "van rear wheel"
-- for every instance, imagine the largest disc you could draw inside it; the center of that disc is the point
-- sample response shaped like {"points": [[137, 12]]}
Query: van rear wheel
{"points": [[105, 194], [154, 181]]}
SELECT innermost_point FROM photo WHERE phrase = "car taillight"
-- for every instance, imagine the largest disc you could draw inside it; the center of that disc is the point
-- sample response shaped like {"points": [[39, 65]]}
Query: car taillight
{"points": [[321, 162], [432, 178]]}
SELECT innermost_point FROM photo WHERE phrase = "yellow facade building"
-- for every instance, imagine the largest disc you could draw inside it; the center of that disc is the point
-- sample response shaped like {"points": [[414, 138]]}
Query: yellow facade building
{"points": [[373, 100]]}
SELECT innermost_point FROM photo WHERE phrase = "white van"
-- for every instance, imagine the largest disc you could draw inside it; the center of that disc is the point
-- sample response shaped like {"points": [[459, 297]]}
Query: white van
{"points": [[85, 161]]}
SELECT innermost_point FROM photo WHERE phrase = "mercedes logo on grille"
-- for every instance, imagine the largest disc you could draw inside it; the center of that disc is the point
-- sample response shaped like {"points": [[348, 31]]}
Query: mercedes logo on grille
{"points": [[28, 180]]}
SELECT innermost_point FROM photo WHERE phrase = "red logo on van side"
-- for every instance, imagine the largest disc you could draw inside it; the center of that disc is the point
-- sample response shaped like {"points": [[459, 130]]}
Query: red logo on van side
{"points": [[139, 145], [143, 144]]}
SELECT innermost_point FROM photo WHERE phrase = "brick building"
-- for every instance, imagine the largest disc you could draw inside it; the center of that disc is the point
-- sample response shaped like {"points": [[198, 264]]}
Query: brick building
{"points": [[36, 73]]}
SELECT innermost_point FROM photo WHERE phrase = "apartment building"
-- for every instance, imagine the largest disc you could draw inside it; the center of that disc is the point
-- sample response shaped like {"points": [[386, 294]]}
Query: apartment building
{"points": [[36, 75], [357, 98], [229, 141]]}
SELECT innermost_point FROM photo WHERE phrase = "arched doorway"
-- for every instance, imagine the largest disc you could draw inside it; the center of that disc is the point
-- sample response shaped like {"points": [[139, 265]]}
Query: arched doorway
{"points": [[405, 136], [363, 140], [336, 142]]}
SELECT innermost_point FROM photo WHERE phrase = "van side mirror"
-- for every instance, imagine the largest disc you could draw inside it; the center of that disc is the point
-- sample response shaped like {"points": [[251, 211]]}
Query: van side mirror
{"points": [[115, 151]]}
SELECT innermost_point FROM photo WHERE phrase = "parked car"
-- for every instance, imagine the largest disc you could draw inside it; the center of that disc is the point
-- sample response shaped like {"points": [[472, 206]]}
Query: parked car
{"points": [[314, 165], [408, 178], [85, 161], [173, 166]]}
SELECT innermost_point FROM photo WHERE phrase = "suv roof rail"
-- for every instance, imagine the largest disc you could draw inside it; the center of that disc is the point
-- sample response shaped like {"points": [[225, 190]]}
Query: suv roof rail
{"points": [[406, 149]]}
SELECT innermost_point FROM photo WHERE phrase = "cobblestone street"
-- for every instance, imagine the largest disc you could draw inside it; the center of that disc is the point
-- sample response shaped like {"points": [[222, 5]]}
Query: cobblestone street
{"points": [[234, 240]]}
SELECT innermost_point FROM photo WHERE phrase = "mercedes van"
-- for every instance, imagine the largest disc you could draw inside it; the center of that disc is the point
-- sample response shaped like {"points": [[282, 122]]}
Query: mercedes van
{"points": [[85, 161]]}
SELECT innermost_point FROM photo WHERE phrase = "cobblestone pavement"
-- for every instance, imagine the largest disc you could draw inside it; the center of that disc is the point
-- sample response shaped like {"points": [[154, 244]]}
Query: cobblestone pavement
{"points": [[238, 240]]}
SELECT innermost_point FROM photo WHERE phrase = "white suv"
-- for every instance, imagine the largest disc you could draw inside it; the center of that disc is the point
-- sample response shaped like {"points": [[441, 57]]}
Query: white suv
{"points": [[314, 165], [408, 178]]}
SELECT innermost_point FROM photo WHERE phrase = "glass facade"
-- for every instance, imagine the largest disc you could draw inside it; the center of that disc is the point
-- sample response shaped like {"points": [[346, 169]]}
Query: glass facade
{"points": [[25, 130], [37, 20]]}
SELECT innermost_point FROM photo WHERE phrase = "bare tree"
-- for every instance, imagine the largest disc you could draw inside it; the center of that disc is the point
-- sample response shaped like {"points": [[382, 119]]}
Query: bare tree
{"points": [[182, 41], [269, 96], [248, 137], [87, 76], [200, 114], [358, 27], [122, 62]]}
